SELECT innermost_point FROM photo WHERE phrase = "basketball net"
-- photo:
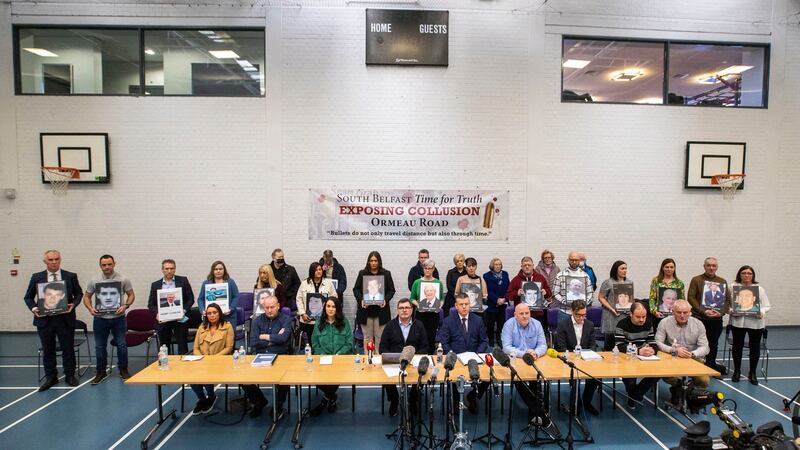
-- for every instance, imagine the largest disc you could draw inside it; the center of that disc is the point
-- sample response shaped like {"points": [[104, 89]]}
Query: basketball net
{"points": [[59, 178], [728, 183]]}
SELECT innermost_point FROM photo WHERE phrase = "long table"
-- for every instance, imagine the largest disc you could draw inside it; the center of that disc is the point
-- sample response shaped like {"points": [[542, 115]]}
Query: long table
{"points": [[293, 370]]}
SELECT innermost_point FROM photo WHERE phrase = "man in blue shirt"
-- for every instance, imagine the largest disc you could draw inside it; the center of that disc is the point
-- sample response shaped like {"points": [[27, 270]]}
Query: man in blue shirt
{"points": [[522, 335]]}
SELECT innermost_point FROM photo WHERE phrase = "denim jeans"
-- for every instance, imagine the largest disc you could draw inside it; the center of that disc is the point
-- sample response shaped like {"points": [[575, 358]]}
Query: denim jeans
{"points": [[102, 328], [203, 390]]}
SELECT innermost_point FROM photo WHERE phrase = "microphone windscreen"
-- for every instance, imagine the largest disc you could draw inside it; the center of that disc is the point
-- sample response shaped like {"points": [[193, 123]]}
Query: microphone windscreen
{"points": [[528, 358], [553, 353], [424, 363], [474, 372], [489, 360], [501, 357], [434, 373], [407, 354], [450, 361]]}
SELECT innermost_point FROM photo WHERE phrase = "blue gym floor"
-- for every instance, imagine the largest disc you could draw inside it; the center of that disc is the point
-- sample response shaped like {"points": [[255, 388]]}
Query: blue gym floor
{"points": [[112, 415]]}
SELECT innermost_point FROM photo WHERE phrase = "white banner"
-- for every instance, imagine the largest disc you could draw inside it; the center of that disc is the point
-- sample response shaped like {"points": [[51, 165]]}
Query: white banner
{"points": [[408, 215]]}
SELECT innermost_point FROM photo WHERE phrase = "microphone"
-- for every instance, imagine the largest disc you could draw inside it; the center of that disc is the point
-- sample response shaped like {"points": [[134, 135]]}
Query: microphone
{"points": [[531, 361], [489, 360], [434, 374], [474, 372], [370, 350], [422, 367], [406, 356], [553, 353], [501, 357], [450, 361]]}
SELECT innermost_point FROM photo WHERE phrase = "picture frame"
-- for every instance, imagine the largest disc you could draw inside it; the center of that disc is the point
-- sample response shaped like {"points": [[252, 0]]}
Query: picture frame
{"points": [[532, 295], [667, 297], [314, 305], [107, 296], [746, 301], [87, 152], [713, 295], [218, 293], [475, 295], [374, 290], [576, 289], [429, 303], [170, 312], [52, 298], [623, 297], [705, 159], [257, 309]]}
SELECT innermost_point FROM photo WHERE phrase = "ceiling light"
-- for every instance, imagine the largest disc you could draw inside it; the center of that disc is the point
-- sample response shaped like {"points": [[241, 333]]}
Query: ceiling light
{"points": [[733, 70], [650, 100], [250, 69], [244, 63], [206, 32], [575, 63], [224, 54], [41, 52], [627, 75], [219, 40], [149, 51]]}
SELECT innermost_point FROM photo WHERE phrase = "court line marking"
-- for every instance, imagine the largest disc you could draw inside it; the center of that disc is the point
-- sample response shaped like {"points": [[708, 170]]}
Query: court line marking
{"points": [[783, 397], [639, 424], [35, 390], [25, 388], [44, 406], [783, 416], [669, 416], [178, 427], [20, 399], [141, 422]]}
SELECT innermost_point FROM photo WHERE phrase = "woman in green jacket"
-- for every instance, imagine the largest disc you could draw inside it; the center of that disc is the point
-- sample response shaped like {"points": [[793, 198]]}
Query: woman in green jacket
{"points": [[332, 336]]}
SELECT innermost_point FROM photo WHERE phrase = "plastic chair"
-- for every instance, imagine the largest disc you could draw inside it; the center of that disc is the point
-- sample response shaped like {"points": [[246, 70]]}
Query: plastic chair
{"points": [[358, 339], [141, 324], [509, 312], [240, 332], [595, 314], [245, 300], [727, 351], [552, 324], [76, 344]]}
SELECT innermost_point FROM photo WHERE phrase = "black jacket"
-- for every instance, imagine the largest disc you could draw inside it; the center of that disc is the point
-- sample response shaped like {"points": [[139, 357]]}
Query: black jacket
{"points": [[338, 275], [392, 338], [74, 295], [415, 273], [180, 282], [566, 339], [384, 314], [290, 281]]}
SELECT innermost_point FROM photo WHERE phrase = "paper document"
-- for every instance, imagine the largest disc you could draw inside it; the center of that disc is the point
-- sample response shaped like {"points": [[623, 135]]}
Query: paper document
{"points": [[590, 355], [392, 370], [192, 358], [648, 358], [469, 356], [326, 360]]}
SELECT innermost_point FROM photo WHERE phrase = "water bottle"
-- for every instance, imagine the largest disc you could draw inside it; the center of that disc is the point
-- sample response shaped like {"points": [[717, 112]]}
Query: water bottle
{"points": [[163, 358], [615, 354], [439, 354], [578, 351], [236, 358], [309, 358], [674, 349], [242, 353], [357, 363], [632, 351], [566, 355]]}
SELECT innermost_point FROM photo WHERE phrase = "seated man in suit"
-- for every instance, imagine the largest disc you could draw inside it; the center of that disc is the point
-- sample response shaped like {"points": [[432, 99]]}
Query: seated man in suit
{"points": [[401, 331], [180, 328], [579, 330], [638, 329], [465, 332]]}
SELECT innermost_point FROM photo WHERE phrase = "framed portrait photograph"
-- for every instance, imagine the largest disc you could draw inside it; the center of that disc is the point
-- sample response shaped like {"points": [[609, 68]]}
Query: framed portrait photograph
{"points": [[374, 292], [666, 299], [52, 298], [746, 301], [622, 294], [576, 288], [314, 305], [170, 304], [218, 293], [532, 295], [335, 284], [257, 295], [475, 295], [430, 297], [107, 296], [706, 159], [713, 295]]}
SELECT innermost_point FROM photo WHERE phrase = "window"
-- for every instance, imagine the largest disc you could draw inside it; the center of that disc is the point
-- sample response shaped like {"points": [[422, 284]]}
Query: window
{"points": [[612, 71], [719, 75], [204, 62], [77, 61], [699, 74]]}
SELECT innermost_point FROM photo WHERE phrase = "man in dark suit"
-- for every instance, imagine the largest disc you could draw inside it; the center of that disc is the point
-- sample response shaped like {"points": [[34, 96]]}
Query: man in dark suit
{"points": [[567, 339], [61, 325], [399, 332], [465, 332], [180, 328]]}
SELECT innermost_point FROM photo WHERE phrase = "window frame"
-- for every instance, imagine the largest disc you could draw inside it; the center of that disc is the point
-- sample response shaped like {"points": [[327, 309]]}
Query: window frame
{"points": [[665, 78]]}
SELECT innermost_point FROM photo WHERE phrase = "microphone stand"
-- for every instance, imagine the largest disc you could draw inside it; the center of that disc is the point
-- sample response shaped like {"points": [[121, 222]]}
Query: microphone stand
{"points": [[403, 430], [573, 403], [448, 406], [489, 437], [536, 426], [433, 442]]}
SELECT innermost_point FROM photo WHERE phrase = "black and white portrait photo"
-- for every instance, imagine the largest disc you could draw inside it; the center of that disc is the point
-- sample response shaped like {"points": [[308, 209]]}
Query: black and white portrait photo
{"points": [[475, 295], [107, 296], [52, 298], [533, 295]]}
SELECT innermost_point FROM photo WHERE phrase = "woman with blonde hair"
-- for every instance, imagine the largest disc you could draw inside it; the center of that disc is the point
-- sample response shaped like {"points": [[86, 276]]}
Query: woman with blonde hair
{"points": [[266, 279]]}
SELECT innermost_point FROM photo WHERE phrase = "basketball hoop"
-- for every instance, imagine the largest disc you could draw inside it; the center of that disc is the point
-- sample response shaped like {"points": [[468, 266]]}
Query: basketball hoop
{"points": [[59, 178], [728, 183]]}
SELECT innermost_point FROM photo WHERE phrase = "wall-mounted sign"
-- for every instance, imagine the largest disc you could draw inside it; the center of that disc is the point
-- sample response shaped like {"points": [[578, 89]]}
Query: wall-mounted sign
{"points": [[407, 37]]}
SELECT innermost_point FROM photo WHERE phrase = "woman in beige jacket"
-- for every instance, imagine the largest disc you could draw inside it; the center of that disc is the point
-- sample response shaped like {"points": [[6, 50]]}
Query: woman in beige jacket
{"points": [[214, 337]]}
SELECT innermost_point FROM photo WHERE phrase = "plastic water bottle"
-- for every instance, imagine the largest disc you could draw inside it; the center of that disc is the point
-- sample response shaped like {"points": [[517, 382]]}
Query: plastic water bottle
{"points": [[236, 359], [357, 363], [632, 351], [439, 354], [309, 358], [242, 353], [566, 355], [578, 351], [163, 358], [674, 349], [615, 354]]}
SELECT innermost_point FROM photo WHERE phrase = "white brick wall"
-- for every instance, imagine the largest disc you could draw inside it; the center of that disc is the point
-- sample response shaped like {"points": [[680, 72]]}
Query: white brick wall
{"points": [[200, 179]]}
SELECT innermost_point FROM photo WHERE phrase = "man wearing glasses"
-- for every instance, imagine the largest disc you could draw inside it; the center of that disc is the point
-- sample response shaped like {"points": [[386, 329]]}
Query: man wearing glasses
{"points": [[576, 331], [689, 336]]}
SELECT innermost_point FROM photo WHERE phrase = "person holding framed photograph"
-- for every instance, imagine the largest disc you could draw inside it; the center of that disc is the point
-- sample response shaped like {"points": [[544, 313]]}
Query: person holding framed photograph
{"points": [[334, 270], [547, 267], [60, 326], [310, 298], [332, 336], [415, 272], [53, 299], [266, 279], [429, 319], [217, 275], [667, 278], [710, 317], [177, 330], [497, 282], [612, 312], [516, 294], [471, 277], [373, 318], [572, 283], [215, 336], [750, 325], [451, 279]]}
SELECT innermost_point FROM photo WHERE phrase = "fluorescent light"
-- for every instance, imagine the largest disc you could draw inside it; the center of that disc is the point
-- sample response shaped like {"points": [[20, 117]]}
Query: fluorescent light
{"points": [[206, 32], [627, 75], [224, 54], [244, 63], [149, 51], [650, 100], [250, 69], [575, 63], [733, 70], [41, 52]]}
